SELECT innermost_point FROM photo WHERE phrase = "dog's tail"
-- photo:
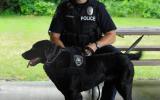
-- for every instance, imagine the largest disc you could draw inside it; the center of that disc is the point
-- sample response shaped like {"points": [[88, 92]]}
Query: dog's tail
{"points": [[134, 44], [135, 56]]}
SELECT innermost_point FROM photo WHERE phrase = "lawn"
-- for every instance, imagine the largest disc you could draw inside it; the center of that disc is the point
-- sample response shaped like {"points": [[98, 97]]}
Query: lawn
{"points": [[18, 33]]}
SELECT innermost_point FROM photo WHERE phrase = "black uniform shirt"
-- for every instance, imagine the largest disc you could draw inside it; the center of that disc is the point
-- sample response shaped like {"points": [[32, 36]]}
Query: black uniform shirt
{"points": [[106, 24]]}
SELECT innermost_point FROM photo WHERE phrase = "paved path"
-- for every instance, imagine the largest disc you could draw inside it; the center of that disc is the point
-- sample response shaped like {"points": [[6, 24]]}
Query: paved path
{"points": [[47, 91]]}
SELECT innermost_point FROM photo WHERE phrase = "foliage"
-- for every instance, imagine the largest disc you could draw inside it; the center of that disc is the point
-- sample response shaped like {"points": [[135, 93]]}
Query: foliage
{"points": [[143, 8], [153, 11], [9, 6], [36, 7], [43, 8], [119, 8], [28, 7]]}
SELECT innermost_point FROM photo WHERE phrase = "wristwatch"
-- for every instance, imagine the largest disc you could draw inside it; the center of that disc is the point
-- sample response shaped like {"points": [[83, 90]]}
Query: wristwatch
{"points": [[97, 45]]}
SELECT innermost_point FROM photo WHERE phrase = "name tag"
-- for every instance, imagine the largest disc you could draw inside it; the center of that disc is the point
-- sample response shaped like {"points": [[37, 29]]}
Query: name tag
{"points": [[88, 18], [69, 16]]}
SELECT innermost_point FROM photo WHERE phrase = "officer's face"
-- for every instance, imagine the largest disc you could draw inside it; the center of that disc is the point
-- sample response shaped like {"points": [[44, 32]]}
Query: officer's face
{"points": [[79, 1]]}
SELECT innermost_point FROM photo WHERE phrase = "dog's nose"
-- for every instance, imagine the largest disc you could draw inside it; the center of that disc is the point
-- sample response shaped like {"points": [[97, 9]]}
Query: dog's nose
{"points": [[23, 55]]}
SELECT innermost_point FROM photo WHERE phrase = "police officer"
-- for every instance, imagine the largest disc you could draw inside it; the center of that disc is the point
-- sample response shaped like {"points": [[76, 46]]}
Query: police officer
{"points": [[86, 24]]}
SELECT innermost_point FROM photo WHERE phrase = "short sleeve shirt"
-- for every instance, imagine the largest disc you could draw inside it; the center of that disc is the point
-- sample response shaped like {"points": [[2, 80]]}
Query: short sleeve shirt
{"points": [[105, 21]]}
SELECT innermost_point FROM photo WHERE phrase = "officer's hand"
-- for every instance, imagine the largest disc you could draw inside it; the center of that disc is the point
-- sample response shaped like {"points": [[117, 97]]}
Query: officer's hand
{"points": [[92, 46], [88, 51]]}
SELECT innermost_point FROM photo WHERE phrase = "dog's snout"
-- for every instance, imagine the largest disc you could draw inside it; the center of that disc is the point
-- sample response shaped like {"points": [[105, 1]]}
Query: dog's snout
{"points": [[28, 55], [23, 55]]}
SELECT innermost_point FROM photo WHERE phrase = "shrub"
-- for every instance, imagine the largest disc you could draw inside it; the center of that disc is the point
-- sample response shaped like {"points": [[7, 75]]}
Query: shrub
{"points": [[119, 8], [9, 6], [44, 8], [143, 8], [38, 7], [26, 6], [152, 11]]}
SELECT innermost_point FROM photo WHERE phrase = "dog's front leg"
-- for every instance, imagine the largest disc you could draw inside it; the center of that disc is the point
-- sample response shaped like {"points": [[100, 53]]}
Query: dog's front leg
{"points": [[73, 91], [73, 96]]}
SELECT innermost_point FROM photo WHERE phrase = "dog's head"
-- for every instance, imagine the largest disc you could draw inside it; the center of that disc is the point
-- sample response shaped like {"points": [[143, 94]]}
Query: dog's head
{"points": [[37, 53]]}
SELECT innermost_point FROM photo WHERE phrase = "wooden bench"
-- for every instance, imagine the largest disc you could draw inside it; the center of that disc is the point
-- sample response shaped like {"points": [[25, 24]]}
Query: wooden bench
{"points": [[143, 48], [140, 31]]}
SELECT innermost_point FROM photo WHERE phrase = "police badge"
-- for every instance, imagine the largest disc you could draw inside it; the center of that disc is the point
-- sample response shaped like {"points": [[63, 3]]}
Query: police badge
{"points": [[78, 59], [90, 10]]}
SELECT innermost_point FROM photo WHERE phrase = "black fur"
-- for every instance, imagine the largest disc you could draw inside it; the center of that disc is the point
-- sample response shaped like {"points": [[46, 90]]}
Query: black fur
{"points": [[136, 56], [71, 80]]}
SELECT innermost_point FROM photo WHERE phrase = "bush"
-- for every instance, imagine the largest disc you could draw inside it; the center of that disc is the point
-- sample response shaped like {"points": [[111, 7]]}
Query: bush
{"points": [[142, 8], [7, 12], [38, 7], [119, 8], [9, 7], [43, 8], [152, 11], [28, 7]]}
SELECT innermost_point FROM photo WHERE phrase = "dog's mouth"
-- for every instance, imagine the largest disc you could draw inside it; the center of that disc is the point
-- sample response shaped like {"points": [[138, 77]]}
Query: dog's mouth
{"points": [[34, 62]]}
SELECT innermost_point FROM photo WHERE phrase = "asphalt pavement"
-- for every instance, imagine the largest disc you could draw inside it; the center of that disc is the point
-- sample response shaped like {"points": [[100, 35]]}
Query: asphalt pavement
{"points": [[45, 90]]}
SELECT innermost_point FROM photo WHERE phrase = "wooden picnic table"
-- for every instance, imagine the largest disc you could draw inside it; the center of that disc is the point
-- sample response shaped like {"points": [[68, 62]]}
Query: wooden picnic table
{"points": [[141, 31]]}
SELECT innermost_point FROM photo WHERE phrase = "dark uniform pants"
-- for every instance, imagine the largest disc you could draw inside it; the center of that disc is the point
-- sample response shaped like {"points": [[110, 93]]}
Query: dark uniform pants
{"points": [[109, 90]]}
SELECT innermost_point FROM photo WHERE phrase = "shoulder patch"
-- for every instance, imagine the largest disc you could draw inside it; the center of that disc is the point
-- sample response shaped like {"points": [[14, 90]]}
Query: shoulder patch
{"points": [[78, 59]]}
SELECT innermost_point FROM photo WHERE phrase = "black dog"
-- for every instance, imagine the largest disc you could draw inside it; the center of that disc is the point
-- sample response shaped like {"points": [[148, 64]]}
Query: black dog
{"points": [[72, 75]]}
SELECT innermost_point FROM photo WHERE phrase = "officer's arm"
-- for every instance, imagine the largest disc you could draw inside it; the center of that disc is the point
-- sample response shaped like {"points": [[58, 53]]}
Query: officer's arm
{"points": [[107, 39], [56, 27], [55, 38], [107, 26]]}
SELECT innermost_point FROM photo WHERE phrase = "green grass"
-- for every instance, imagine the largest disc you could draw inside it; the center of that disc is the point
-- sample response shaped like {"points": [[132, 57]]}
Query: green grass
{"points": [[24, 24], [147, 72], [18, 33]]}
